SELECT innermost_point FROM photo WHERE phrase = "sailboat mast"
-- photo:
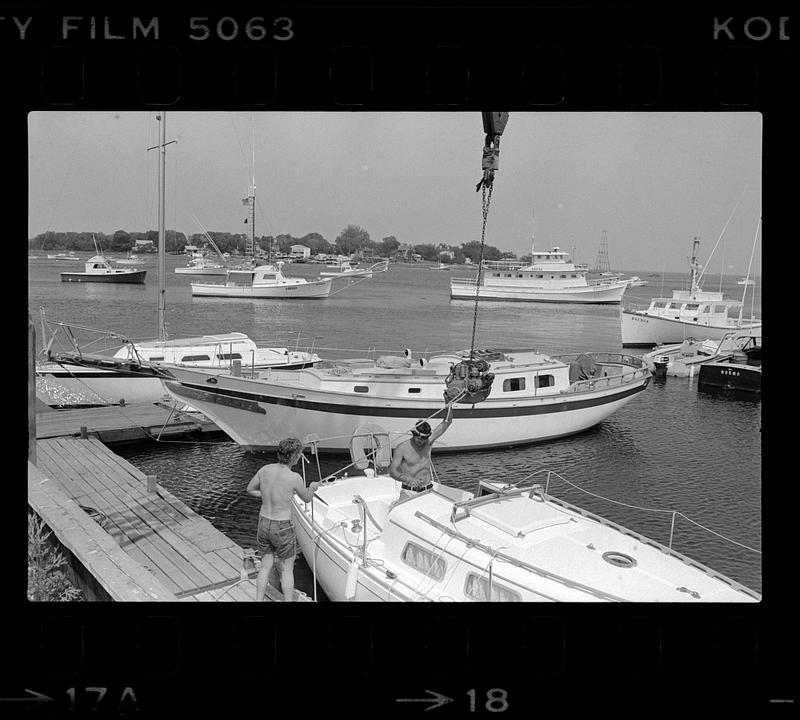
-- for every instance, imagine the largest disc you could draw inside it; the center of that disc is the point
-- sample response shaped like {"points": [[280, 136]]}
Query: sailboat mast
{"points": [[162, 255], [694, 266]]}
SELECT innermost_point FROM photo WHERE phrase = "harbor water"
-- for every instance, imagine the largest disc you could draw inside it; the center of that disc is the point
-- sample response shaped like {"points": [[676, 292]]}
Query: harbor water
{"points": [[672, 463]]}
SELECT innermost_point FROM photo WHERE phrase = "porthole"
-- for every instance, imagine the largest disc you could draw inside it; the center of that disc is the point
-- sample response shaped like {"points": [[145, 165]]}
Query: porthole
{"points": [[619, 559]]}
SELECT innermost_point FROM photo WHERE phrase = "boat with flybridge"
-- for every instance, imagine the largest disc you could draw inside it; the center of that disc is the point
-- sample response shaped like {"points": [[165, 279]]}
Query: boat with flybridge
{"points": [[550, 276], [687, 314]]}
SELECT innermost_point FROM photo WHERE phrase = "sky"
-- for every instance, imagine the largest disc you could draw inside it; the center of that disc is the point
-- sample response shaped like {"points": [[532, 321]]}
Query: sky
{"points": [[651, 181]]}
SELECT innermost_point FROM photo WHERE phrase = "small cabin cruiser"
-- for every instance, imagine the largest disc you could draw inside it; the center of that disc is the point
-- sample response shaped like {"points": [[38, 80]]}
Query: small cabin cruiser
{"points": [[263, 281]]}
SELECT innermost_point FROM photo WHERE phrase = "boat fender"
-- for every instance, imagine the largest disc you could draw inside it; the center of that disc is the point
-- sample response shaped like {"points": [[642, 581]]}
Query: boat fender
{"points": [[469, 382], [352, 577]]}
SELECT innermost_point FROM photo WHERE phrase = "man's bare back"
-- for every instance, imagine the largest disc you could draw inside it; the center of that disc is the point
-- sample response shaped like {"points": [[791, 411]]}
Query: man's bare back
{"points": [[276, 485]]}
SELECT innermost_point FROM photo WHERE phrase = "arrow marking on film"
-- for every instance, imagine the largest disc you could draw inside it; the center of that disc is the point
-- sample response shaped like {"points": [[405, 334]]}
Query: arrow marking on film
{"points": [[37, 697], [438, 699]]}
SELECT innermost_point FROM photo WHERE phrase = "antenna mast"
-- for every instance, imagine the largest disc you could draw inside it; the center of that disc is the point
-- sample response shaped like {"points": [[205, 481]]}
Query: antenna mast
{"points": [[602, 264]]}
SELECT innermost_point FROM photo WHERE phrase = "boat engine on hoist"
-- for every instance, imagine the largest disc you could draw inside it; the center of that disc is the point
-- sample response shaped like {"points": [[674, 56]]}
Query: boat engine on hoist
{"points": [[470, 381]]}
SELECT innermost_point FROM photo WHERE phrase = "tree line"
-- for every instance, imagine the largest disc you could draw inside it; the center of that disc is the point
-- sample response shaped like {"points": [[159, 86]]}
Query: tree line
{"points": [[353, 240]]}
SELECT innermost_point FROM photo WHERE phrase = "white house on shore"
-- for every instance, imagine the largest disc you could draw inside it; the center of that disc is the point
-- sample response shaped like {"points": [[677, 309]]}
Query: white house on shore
{"points": [[300, 251]]}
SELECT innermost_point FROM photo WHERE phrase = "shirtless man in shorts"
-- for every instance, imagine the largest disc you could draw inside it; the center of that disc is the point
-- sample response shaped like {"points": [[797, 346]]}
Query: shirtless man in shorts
{"points": [[276, 485], [411, 460]]}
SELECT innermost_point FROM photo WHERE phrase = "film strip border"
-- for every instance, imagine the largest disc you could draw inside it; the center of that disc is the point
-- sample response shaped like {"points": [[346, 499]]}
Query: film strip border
{"points": [[529, 659], [415, 58]]}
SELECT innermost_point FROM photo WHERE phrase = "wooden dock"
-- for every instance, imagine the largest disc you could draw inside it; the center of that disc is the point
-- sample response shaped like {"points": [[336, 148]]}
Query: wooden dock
{"points": [[80, 487], [121, 423]]}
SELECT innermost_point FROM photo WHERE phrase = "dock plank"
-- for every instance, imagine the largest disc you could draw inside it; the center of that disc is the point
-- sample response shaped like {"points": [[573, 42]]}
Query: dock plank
{"points": [[134, 514], [121, 577], [163, 535], [141, 520], [176, 516], [135, 533], [116, 423], [213, 565]]}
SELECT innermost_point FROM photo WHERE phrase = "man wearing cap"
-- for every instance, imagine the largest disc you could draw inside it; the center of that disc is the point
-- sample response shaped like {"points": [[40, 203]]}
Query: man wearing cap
{"points": [[411, 460]]}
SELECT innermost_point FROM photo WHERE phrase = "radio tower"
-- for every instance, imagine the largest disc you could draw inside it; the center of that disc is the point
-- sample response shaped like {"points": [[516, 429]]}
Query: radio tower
{"points": [[601, 264]]}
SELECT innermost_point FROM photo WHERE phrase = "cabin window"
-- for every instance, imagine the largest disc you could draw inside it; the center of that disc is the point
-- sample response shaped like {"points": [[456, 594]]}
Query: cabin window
{"points": [[674, 306], [520, 275], [563, 276], [508, 275], [659, 304], [495, 274], [156, 358], [423, 560], [513, 384], [361, 388], [477, 588], [414, 390], [692, 306], [705, 309], [194, 358], [229, 356], [720, 308], [540, 381], [268, 277]]}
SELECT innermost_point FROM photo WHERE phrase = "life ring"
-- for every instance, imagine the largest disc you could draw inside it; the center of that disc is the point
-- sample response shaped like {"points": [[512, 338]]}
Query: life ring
{"points": [[469, 382]]}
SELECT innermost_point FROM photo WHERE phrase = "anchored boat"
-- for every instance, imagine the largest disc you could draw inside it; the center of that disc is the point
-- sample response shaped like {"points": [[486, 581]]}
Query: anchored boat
{"points": [[98, 269], [533, 397], [263, 281], [688, 313], [550, 277], [345, 269]]}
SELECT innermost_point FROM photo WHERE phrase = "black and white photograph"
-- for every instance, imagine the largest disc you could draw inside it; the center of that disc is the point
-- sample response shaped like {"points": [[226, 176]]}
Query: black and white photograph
{"points": [[398, 356]]}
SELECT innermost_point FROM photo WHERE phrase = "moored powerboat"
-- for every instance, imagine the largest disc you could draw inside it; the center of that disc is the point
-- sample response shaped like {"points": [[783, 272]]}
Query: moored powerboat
{"points": [[550, 277], [263, 281], [688, 313]]}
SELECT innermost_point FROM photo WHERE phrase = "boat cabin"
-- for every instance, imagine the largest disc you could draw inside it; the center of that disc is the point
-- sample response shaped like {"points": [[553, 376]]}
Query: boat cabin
{"points": [[207, 350], [97, 263], [701, 312]]}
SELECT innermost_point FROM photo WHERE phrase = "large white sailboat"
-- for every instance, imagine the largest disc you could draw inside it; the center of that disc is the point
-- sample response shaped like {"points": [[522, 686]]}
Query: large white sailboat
{"points": [[532, 397]]}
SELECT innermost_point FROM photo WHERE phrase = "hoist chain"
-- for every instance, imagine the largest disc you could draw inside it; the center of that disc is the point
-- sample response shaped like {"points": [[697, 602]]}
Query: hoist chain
{"points": [[486, 198]]}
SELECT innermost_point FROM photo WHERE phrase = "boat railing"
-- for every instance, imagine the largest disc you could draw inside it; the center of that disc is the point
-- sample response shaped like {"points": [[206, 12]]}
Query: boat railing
{"points": [[543, 493], [99, 342], [633, 369], [463, 282], [366, 515]]}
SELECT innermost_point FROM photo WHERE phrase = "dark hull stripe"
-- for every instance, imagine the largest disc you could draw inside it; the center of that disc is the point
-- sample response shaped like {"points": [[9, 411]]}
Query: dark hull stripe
{"points": [[136, 278], [144, 374], [248, 401]]}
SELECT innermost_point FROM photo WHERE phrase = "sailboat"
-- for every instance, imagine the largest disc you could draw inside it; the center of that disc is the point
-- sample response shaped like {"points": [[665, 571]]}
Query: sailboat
{"points": [[261, 281], [76, 378]]}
